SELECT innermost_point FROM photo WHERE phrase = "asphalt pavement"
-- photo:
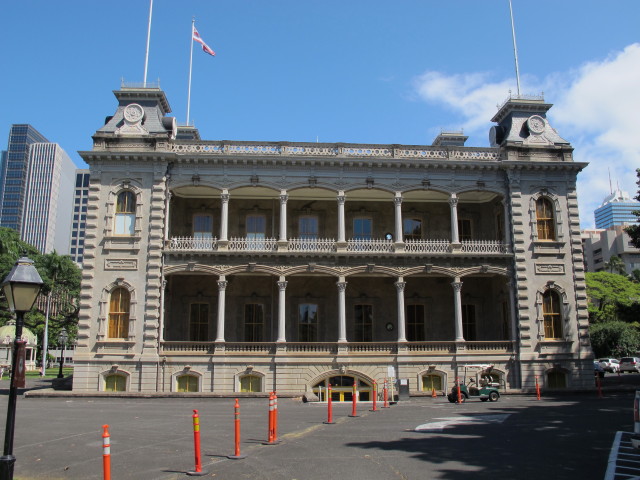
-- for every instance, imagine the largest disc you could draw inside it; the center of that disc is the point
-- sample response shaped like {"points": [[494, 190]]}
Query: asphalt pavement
{"points": [[558, 437]]}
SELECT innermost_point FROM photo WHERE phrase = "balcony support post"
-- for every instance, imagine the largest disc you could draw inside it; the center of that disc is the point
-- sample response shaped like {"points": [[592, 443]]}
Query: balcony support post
{"points": [[282, 240], [342, 318], [223, 242], [222, 287], [453, 203], [400, 284], [457, 305], [282, 287], [341, 244], [399, 240]]}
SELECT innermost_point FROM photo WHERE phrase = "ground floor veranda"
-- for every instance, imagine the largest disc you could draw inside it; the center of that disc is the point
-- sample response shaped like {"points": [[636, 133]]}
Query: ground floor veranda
{"points": [[251, 333]]}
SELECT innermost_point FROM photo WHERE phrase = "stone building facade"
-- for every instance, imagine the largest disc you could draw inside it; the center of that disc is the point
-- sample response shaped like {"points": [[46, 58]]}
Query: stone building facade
{"points": [[219, 266]]}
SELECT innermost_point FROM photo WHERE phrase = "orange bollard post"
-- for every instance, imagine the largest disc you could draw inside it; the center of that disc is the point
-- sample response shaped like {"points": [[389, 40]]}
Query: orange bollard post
{"points": [[197, 472], [329, 407], [106, 453], [537, 389], [375, 396], [459, 390], [272, 435], [385, 395], [236, 422], [354, 400]]}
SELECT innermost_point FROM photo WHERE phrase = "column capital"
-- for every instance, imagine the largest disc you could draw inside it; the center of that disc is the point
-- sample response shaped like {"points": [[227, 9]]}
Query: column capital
{"points": [[400, 286], [457, 286], [224, 197], [453, 200], [397, 200], [342, 286], [282, 286], [283, 197], [222, 285]]}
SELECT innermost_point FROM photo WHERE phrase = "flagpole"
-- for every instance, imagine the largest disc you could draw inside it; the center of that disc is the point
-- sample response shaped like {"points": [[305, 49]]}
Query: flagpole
{"points": [[193, 24], [146, 56], [515, 48]]}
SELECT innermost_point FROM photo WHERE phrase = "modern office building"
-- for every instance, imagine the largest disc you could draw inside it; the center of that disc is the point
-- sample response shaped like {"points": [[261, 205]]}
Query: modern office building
{"points": [[243, 266], [80, 201], [13, 175], [46, 216], [616, 209], [599, 245], [36, 182]]}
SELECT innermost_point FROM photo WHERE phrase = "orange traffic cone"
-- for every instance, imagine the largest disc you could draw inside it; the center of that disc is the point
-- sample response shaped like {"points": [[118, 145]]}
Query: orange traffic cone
{"points": [[433, 393]]}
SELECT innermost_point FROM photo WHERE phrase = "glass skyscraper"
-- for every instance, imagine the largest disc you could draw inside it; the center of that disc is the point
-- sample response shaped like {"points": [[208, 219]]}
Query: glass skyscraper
{"points": [[616, 209], [13, 174]]}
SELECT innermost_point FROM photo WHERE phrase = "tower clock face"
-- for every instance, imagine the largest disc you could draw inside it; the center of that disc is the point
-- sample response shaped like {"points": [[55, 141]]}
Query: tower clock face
{"points": [[536, 124]]}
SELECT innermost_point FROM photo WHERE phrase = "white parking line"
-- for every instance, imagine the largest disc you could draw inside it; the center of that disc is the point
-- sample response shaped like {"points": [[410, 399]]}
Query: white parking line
{"points": [[461, 420]]}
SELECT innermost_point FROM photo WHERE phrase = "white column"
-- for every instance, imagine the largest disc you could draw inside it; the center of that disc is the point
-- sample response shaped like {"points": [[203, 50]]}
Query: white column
{"points": [[507, 227], [283, 215], [222, 289], [341, 225], [453, 203], [457, 306], [167, 203], [224, 216], [398, 204], [342, 316], [400, 284], [282, 287]]}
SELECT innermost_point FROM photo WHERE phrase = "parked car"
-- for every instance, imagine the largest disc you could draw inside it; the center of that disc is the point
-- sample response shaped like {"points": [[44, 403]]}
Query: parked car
{"points": [[611, 365], [598, 370], [630, 364]]}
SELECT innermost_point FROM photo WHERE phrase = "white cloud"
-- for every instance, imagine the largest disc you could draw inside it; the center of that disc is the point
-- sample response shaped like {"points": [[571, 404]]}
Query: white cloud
{"points": [[597, 109]]}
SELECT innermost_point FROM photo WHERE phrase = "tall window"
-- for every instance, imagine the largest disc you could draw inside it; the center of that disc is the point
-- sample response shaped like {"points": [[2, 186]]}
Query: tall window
{"points": [[308, 227], [500, 227], [464, 229], [253, 322], [415, 323], [551, 313], [412, 228], [125, 213], [363, 323], [469, 322], [362, 228], [119, 313], [545, 220], [308, 322], [202, 226], [256, 231], [199, 322]]}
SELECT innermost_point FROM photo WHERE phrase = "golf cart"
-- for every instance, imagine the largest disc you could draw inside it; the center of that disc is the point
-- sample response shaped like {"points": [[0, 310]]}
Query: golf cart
{"points": [[482, 386]]}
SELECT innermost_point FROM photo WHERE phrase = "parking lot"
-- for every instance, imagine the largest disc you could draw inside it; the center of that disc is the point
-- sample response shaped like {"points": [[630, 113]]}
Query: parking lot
{"points": [[564, 437]]}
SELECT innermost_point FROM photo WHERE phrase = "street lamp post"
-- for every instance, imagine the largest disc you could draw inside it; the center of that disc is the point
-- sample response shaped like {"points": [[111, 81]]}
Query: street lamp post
{"points": [[21, 288], [62, 340]]}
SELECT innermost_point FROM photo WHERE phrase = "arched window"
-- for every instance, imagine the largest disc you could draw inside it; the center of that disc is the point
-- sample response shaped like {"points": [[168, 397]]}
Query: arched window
{"points": [[119, 313], [187, 383], [545, 219], [556, 379], [125, 213], [115, 383], [251, 383], [552, 314]]}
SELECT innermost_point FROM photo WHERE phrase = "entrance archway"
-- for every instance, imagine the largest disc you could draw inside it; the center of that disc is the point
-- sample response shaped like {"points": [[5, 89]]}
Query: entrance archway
{"points": [[342, 388]]}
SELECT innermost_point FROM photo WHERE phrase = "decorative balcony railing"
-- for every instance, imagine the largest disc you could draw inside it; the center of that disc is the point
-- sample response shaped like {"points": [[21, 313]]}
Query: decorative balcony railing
{"points": [[369, 246], [427, 246], [182, 244], [242, 244], [328, 245], [483, 246], [496, 347], [318, 245]]}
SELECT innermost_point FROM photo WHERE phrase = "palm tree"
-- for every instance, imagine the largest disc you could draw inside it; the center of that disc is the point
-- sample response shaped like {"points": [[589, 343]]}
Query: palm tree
{"points": [[615, 265]]}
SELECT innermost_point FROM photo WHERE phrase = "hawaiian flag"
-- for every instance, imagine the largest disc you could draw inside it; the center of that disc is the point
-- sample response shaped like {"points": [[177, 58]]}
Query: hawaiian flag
{"points": [[205, 48]]}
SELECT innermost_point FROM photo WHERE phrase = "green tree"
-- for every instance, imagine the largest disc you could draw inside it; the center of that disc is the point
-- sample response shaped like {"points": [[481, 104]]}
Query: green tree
{"points": [[616, 339], [635, 276], [615, 265], [609, 295], [634, 230]]}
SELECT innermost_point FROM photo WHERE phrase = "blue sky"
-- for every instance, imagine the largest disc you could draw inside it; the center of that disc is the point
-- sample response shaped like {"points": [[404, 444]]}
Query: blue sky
{"points": [[335, 70]]}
